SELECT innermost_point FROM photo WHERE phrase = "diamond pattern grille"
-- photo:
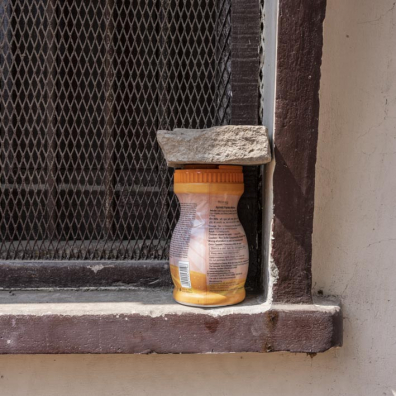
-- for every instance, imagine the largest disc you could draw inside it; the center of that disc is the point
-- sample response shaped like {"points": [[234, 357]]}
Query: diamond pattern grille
{"points": [[84, 86]]}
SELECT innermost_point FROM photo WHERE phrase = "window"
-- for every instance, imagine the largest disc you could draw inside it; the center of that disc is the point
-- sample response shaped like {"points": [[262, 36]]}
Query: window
{"points": [[84, 88], [86, 198]]}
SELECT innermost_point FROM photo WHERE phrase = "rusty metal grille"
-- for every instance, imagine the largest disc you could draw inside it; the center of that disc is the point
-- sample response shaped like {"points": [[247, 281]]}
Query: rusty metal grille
{"points": [[84, 86]]}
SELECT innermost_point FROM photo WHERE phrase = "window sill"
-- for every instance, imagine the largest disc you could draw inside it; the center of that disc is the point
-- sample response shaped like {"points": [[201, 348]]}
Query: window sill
{"points": [[148, 321]]}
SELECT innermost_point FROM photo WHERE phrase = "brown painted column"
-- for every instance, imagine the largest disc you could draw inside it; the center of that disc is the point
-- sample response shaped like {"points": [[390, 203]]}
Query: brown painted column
{"points": [[299, 57]]}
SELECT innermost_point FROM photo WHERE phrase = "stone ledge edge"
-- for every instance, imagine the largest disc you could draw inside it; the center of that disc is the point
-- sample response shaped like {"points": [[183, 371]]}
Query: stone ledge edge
{"points": [[276, 328]]}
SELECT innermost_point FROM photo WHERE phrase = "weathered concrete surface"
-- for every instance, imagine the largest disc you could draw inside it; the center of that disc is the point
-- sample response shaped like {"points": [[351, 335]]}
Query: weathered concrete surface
{"points": [[147, 321], [237, 145]]}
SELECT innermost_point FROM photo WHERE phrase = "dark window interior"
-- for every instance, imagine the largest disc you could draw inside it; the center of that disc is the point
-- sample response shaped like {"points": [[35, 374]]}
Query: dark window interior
{"points": [[85, 85]]}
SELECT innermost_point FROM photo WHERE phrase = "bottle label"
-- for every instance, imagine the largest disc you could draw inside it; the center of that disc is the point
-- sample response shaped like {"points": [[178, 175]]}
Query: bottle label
{"points": [[210, 238]]}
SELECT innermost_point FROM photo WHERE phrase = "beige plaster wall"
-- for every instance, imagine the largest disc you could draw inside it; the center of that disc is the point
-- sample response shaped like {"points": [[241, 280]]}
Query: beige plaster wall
{"points": [[354, 250]]}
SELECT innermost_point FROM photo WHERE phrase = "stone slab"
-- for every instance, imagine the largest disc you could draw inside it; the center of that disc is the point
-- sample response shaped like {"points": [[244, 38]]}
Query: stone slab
{"points": [[224, 145]]}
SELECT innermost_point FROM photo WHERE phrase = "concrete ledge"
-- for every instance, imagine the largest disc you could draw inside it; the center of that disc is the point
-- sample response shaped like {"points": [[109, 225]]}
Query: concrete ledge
{"points": [[142, 321]]}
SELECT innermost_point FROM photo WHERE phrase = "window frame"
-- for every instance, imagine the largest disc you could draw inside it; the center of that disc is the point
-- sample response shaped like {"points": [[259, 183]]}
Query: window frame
{"points": [[287, 318]]}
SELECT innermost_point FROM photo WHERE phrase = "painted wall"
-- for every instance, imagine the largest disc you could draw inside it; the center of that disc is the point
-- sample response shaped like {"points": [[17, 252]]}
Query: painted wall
{"points": [[354, 250]]}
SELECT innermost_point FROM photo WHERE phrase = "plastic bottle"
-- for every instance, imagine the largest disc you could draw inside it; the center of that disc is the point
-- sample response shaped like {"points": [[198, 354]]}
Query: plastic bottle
{"points": [[209, 254]]}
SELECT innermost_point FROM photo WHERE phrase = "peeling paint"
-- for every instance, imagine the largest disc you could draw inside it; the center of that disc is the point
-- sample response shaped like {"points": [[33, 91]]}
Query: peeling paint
{"points": [[99, 267]]}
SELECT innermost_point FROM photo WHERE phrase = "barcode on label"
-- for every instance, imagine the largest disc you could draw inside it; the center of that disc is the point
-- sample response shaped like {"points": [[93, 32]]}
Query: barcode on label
{"points": [[184, 274]]}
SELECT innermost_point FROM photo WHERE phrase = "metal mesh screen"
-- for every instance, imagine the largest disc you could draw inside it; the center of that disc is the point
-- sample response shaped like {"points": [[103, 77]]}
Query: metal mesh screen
{"points": [[85, 85]]}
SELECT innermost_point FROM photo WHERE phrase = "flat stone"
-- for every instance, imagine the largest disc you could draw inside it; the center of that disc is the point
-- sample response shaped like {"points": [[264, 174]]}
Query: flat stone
{"points": [[230, 144]]}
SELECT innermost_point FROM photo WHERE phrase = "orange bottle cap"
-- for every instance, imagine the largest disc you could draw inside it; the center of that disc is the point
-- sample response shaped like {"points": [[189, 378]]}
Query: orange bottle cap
{"points": [[209, 174]]}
